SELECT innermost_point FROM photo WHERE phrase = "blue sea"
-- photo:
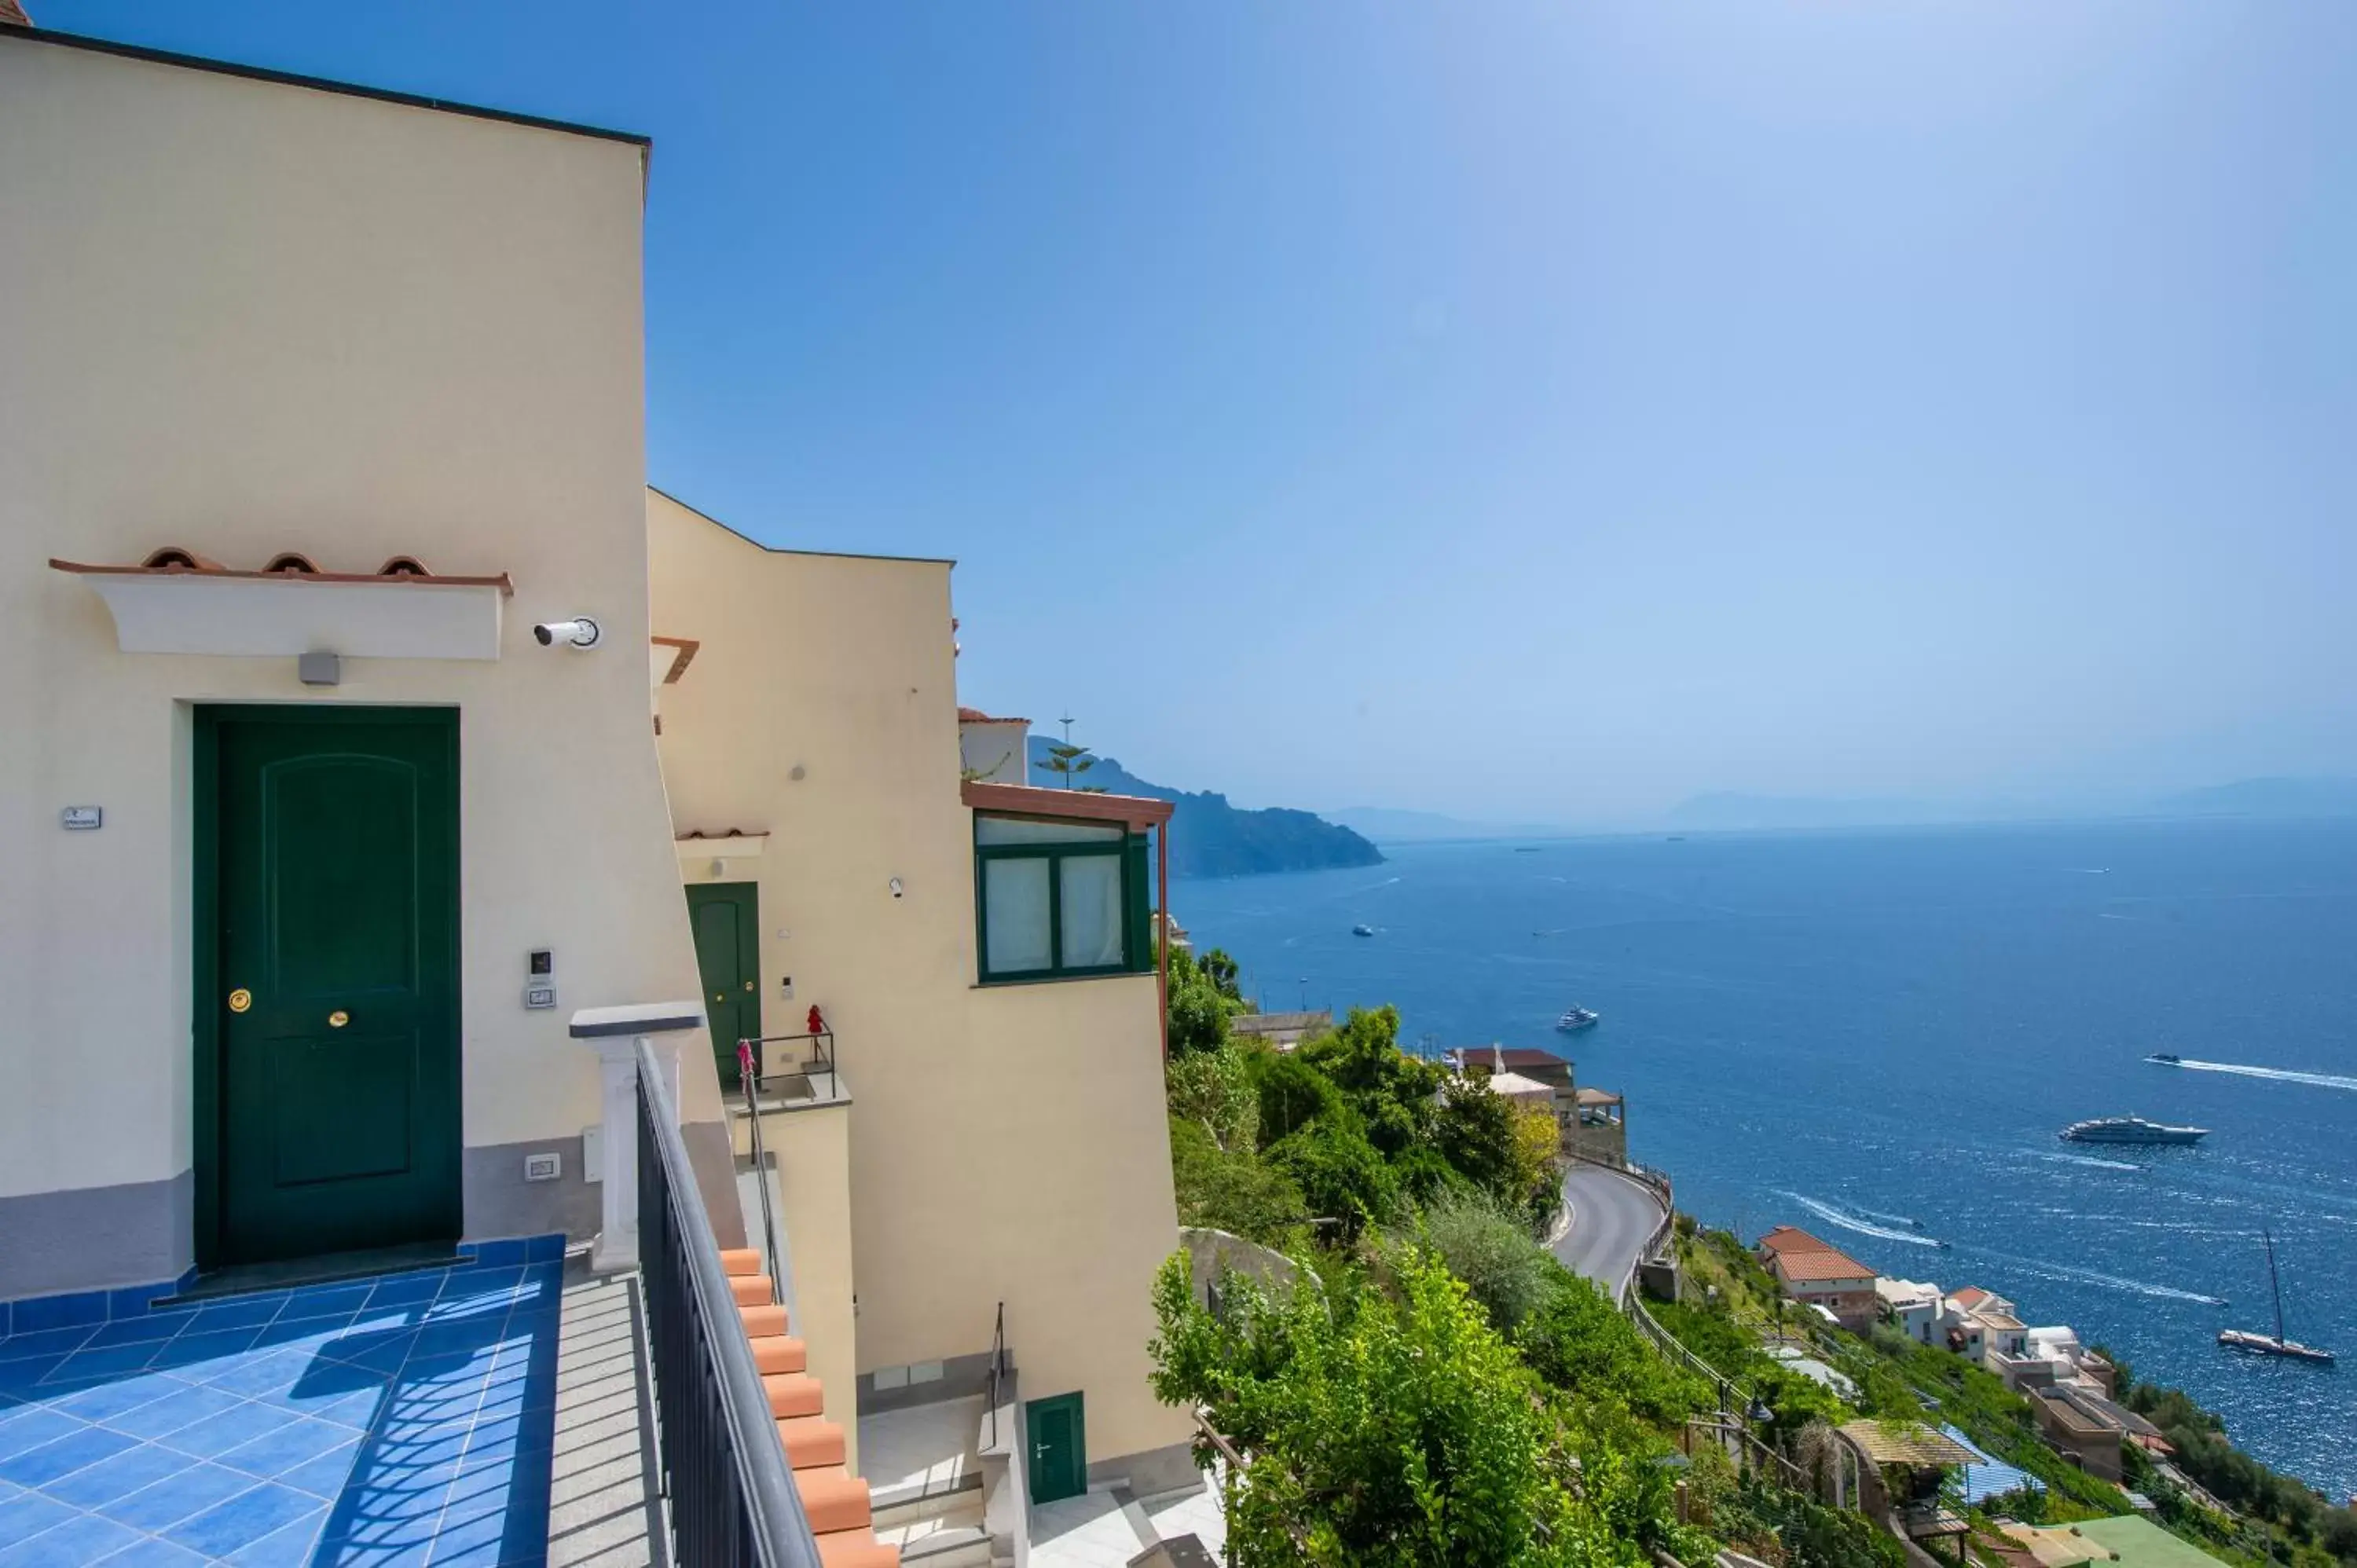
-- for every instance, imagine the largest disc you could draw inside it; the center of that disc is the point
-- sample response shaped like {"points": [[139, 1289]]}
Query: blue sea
{"points": [[1875, 1035]]}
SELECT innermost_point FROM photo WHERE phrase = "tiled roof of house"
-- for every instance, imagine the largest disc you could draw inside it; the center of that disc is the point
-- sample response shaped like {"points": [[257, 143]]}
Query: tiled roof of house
{"points": [[10, 11], [1792, 1238], [977, 716], [1969, 1297], [1825, 1264]]}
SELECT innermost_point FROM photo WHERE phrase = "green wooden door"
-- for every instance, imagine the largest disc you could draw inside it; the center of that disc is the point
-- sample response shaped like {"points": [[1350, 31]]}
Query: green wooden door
{"points": [[330, 1116], [728, 920], [1059, 1447]]}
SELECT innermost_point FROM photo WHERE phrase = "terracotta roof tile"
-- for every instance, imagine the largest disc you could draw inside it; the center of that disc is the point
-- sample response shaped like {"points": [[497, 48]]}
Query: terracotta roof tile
{"points": [[10, 11], [977, 716]]}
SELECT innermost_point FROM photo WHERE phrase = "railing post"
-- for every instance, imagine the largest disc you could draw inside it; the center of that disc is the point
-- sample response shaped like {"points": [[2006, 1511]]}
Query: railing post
{"points": [[614, 1033]]}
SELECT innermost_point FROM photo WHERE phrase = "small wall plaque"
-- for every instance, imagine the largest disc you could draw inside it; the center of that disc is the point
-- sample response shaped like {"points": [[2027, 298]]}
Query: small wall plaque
{"points": [[83, 818]]}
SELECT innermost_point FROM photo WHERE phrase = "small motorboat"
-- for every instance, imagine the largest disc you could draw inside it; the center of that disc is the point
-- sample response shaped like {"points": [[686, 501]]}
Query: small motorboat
{"points": [[1363, 931], [1574, 1019], [2165, 1058]]}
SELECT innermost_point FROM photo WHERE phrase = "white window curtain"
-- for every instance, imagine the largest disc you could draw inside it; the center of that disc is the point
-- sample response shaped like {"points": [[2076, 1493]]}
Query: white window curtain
{"points": [[1092, 900], [1017, 918]]}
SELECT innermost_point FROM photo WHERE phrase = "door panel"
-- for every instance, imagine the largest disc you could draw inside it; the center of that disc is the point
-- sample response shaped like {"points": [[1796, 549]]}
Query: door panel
{"points": [[1058, 1448], [335, 997], [726, 919]]}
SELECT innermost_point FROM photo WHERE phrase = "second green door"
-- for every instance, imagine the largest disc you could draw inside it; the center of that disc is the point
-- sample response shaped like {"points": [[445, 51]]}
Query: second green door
{"points": [[727, 917]]}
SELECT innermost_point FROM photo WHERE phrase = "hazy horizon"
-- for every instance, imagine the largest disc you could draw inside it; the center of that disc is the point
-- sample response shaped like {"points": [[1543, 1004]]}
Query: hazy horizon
{"points": [[1517, 412]]}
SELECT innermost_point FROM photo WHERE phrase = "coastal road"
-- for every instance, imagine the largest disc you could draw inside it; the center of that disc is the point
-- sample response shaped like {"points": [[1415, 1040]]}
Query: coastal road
{"points": [[1612, 1216]]}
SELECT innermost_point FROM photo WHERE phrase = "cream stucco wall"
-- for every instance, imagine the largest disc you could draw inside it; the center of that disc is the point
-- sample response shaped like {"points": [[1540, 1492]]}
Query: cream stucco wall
{"points": [[1008, 1144], [246, 317]]}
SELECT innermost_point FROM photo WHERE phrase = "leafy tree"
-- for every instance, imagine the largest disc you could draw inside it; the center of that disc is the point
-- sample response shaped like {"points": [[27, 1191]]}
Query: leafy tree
{"points": [[1479, 1132], [1068, 762], [1579, 1342], [1292, 1095], [1393, 1092], [1201, 1006], [1221, 971], [1233, 1189], [1381, 1429], [1214, 1089], [1341, 1175]]}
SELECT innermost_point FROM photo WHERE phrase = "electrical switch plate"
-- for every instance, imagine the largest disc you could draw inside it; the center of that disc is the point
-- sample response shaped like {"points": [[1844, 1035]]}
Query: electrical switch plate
{"points": [[545, 1167]]}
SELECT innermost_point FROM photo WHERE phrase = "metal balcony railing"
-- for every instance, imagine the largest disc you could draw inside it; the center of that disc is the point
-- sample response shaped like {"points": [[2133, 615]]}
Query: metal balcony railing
{"points": [[733, 1502]]}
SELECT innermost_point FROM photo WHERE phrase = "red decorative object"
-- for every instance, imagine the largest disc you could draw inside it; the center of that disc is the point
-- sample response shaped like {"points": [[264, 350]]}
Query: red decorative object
{"points": [[745, 1060], [817, 1022]]}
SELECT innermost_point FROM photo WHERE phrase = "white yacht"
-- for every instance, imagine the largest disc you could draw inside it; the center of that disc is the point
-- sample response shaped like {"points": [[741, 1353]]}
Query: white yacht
{"points": [[2131, 1130]]}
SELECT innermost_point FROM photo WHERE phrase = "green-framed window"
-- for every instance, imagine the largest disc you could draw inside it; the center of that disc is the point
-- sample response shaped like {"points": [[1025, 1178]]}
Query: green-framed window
{"points": [[1057, 899]]}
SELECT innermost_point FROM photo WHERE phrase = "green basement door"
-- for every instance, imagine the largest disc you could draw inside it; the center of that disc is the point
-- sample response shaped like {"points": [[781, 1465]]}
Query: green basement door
{"points": [[1059, 1447], [727, 917], [327, 980]]}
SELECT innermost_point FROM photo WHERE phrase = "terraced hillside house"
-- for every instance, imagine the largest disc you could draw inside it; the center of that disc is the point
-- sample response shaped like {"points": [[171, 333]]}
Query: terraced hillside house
{"points": [[1815, 1273], [377, 970]]}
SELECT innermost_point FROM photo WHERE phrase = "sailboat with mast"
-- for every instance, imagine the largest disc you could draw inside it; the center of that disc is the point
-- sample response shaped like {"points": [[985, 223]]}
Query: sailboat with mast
{"points": [[2243, 1340]]}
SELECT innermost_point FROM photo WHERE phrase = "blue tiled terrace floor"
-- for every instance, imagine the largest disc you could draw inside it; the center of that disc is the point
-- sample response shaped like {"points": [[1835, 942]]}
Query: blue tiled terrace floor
{"points": [[402, 1420]]}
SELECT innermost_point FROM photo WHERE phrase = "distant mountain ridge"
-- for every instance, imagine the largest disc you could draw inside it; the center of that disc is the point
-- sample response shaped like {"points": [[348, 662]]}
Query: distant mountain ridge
{"points": [[1209, 837]]}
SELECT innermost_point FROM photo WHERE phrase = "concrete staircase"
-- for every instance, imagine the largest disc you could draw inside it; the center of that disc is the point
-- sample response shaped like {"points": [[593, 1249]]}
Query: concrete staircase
{"points": [[836, 1502]]}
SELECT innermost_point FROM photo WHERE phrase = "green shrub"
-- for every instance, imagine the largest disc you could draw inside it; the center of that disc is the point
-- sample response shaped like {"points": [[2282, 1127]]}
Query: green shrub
{"points": [[1233, 1191], [1340, 1174], [1508, 1272]]}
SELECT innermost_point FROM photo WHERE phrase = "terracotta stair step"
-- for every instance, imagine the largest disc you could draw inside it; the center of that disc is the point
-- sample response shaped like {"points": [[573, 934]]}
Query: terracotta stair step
{"points": [[833, 1500], [762, 1322], [794, 1393], [811, 1441], [751, 1290], [855, 1549], [780, 1353], [740, 1261]]}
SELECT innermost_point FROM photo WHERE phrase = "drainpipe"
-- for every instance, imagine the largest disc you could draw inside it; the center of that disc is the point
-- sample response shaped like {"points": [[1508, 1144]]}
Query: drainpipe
{"points": [[1162, 895]]}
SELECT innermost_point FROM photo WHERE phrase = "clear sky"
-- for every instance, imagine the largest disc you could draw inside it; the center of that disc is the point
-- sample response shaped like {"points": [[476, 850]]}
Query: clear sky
{"points": [[1537, 410]]}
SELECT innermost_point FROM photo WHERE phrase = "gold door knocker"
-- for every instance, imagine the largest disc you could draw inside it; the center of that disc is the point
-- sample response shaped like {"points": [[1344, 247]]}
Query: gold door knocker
{"points": [[239, 1000], [338, 1018]]}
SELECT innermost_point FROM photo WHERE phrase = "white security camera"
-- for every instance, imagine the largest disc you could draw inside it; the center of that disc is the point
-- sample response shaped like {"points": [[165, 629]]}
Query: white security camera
{"points": [[578, 632]]}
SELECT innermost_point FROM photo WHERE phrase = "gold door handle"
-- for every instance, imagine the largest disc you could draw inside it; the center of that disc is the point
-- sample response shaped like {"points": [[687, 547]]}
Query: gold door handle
{"points": [[749, 986], [338, 1018], [239, 1000]]}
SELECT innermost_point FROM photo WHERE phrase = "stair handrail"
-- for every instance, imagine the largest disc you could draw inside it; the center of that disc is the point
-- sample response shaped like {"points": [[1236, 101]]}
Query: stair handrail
{"points": [[752, 1079]]}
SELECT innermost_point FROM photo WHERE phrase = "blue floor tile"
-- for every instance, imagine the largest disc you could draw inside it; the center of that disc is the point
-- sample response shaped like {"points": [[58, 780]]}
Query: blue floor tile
{"points": [[30, 1513], [297, 1442], [403, 1289], [44, 1312], [88, 1364], [49, 1342], [250, 1312], [166, 1503], [83, 1539], [218, 1434], [242, 1521], [140, 1330], [264, 1371], [36, 1467], [162, 1417], [382, 1422], [289, 1546], [192, 1348], [329, 1474], [328, 1301], [119, 1396], [117, 1476], [155, 1552]]}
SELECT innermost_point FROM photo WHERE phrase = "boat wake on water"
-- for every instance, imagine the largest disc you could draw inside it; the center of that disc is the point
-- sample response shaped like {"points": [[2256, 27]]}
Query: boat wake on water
{"points": [[2277, 1074], [1853, 1221], [2101, 1165], [2109, 1282]]}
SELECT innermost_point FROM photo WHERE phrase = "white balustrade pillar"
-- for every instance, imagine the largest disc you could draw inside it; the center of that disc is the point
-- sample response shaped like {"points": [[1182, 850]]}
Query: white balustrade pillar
{"points": [[614, 1034]]}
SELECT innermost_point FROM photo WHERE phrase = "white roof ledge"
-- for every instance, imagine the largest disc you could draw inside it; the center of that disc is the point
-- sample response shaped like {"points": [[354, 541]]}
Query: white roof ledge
{"points": [[266, 613]]}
